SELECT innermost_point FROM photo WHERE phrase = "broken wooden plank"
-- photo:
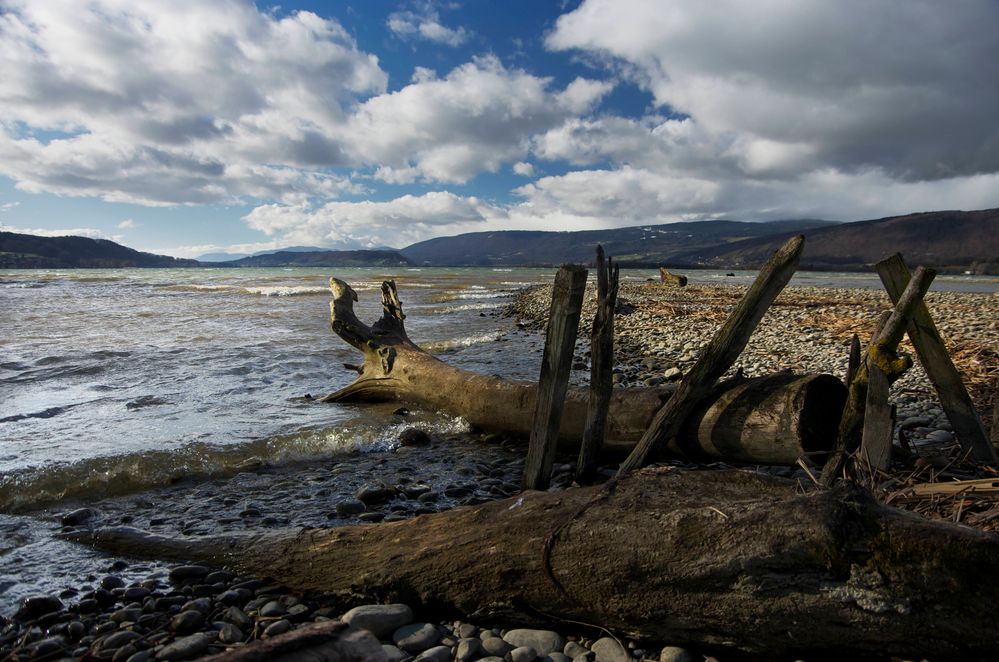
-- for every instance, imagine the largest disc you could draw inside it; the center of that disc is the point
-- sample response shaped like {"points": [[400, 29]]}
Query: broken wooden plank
{"points": [[601, 366], [563, 324], [939, 368], [879, 424], [723, 350]]}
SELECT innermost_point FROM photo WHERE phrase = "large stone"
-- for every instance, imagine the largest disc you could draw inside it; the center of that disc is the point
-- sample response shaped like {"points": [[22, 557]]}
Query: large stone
{"points": [[495, 647], [435, 654], [188, 646], [375, 493], [675, 654], [416, 637], [117, 640], [187, 573], [379, 620], [468, 648], [79, 516], [523, 654], [187, 621], [543, 642], [608, 649], [37, 605], [394, 653]]}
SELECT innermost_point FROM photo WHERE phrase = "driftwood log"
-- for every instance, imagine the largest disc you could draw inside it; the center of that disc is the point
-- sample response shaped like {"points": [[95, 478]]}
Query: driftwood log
{"points": [[395, 368], [730, 558]]}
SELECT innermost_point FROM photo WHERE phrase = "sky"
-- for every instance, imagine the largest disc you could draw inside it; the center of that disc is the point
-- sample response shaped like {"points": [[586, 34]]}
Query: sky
{"points": [[187, 127]]}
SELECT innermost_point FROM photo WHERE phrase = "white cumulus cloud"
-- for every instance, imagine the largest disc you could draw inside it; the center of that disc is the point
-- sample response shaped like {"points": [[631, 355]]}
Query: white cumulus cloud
{"points": [[854, 85], [425, 24], [174, 102]]}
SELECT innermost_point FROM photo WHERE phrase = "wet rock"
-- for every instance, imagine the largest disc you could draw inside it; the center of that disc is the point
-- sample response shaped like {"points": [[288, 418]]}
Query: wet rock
{"points": [[414, 437], [37, 605], [350, 507], [46, 647], [78, 516], [187, 573], [188, 646], [111, 582], [375, 493]]}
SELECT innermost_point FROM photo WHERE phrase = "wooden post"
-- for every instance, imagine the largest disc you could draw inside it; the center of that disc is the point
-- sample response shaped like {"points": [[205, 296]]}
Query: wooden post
{"points": [[939, 368], [720, 353], [601, 366], [882, 352], [563, 324], [875, 444]]}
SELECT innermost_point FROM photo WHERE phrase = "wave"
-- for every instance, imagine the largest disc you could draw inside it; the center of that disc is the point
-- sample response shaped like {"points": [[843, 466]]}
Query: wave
{"points": [[447, 310], [441, 346], [97, 478], [257, 290]]}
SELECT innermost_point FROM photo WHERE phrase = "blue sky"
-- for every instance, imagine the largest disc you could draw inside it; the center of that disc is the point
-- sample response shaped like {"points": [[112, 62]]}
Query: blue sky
{"points": [[186, 127]]}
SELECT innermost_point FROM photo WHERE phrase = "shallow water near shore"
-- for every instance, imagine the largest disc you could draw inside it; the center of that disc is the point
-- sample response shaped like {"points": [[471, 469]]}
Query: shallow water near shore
{"points": [[124, 383]]}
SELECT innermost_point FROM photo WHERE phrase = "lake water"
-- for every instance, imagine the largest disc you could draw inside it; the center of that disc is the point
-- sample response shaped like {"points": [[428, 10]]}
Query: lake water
{"points": [[116, 381]]}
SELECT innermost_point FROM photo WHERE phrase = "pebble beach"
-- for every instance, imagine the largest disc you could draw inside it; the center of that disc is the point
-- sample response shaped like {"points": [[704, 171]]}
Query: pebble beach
{"points": [[136, 611]]}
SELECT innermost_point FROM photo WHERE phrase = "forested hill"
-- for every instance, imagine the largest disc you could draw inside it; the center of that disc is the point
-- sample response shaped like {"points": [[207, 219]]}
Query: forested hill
{"points": [[320, 259], [27, 251], [947, 240], [648, 245]]}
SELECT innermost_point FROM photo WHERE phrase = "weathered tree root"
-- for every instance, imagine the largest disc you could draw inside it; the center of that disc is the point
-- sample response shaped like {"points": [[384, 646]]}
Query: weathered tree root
{"points": [[725, 558]]}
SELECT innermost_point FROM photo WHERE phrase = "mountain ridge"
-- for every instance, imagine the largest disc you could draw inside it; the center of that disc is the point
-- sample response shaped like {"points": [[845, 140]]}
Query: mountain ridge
{"points": [[947, 240]]}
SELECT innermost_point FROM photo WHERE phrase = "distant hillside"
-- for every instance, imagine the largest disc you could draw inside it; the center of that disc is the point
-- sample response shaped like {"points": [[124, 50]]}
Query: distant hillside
{"points": [[320, 259], [947, 240], [635, 246], [26, 251]]}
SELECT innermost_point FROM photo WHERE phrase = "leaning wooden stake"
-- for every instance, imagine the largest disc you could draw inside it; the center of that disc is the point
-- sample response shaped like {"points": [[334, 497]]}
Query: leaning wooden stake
{"points": [[881, 351], [854, 363], [875, 444], [720, 353], [939, 368], [994, 435], [563, 323], [601, 366]]}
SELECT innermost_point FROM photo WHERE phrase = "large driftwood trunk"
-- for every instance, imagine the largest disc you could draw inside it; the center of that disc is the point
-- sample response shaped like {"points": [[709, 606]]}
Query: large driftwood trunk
{"points": [[395, 368], [726, 558]]}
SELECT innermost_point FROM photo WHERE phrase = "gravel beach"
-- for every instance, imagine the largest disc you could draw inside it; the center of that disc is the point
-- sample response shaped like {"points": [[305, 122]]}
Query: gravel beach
{"points": [[151, 611]]}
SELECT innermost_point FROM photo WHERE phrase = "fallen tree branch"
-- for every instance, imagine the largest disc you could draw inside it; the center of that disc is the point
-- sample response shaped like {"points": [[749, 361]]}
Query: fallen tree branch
{"points": [[395, 368], [722, 558]]}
